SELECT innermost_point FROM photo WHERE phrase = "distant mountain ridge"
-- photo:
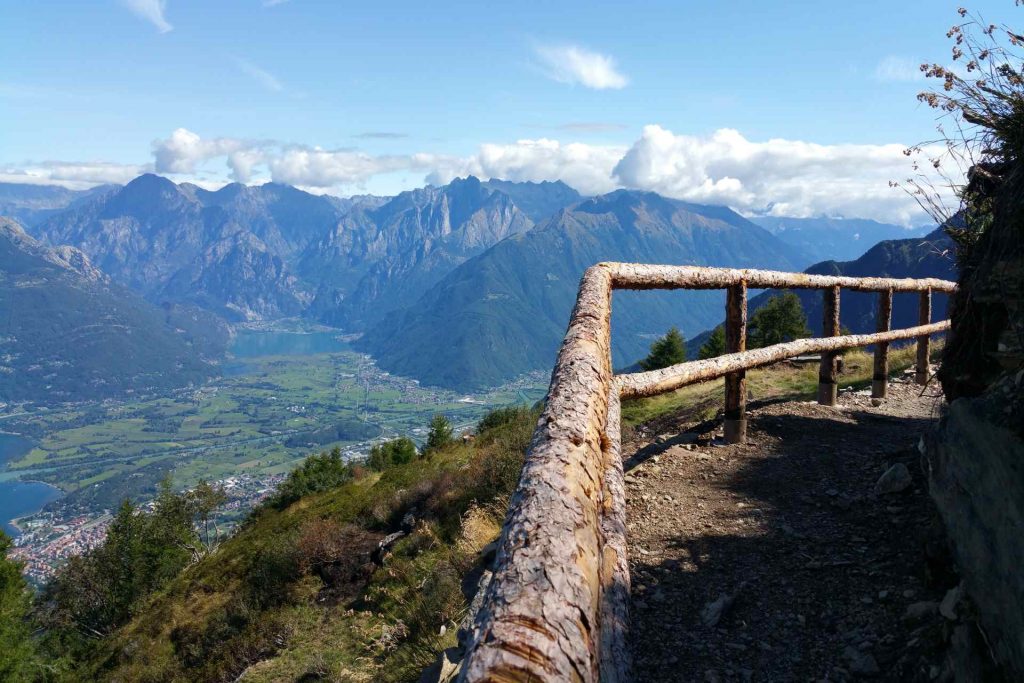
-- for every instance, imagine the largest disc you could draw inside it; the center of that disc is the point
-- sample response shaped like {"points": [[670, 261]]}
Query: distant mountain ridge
{"points": [[381, 258], [32, 204], [67, 333], [919, 257], [462, 285], [270, 251], [835, 239], [504, 312]]}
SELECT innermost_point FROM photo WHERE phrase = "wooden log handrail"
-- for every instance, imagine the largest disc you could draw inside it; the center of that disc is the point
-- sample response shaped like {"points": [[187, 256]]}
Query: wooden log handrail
{"points": [[556, 608]]}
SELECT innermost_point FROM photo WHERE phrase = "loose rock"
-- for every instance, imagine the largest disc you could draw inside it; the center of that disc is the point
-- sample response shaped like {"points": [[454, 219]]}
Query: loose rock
{"points": [[896, 479]]}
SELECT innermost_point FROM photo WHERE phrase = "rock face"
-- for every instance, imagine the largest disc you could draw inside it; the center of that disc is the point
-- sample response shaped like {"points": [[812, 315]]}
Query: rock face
{"points": [[976, 455], [503, 313], [976, 476]]}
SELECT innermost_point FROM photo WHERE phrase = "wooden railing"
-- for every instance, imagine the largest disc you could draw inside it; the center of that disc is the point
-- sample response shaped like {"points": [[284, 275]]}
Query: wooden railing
{"points": [[557, 606]]}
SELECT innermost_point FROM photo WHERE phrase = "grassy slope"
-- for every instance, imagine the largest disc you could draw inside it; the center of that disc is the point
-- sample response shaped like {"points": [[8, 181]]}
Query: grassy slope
{"points": [[256, 606]]}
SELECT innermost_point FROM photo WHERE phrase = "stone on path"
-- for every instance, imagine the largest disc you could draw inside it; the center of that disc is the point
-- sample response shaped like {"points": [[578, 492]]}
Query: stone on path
{"points": [[897, 478]]}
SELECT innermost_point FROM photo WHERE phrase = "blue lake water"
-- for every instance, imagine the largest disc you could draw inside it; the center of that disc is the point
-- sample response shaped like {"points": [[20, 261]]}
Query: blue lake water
{"points": [[13, 447], [252, 344], [19, 498]]}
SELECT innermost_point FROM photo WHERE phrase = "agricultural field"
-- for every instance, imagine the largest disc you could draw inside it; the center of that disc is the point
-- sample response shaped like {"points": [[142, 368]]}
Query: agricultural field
{"points": [[282, 397]]}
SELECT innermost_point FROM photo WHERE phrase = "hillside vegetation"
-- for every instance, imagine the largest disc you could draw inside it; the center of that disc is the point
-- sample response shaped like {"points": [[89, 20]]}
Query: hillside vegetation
{"points": [[306, 590], [64, 327]]}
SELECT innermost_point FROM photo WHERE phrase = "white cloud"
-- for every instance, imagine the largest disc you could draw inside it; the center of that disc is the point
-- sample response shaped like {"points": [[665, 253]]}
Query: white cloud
{"points": [[273, 3], [573, 64], [899, 69], [73, 174], [588, 168], [261, 76], [185, 150], [150, 10], [313, 167], [779, 177]]}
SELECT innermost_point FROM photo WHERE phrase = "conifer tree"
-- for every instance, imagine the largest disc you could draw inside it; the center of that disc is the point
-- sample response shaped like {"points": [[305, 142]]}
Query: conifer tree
{"points": [[780, 320], [715, 344], [440, 435], [668, 350]]}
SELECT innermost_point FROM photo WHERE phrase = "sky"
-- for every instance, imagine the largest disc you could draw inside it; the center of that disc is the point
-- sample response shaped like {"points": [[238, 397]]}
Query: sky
{"points": [[787, 108]]}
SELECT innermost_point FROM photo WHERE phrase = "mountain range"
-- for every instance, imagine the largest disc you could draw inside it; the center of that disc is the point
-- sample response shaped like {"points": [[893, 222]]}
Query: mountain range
{"points": [[839, 239], [463, 285], [68, 333], [504, 313], [32, 204], [914, 257]]}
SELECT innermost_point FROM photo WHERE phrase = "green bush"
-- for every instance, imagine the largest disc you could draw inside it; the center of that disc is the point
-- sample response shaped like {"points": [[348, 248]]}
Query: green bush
{"points": [[317, 473], [395, 452]]}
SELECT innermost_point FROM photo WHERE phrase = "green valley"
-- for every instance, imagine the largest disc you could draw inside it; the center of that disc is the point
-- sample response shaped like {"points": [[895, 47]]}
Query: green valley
{"points": [[266, 413]]}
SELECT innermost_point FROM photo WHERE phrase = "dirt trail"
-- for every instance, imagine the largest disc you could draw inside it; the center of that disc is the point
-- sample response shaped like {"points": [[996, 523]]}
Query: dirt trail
{"points": [[775, 560]]}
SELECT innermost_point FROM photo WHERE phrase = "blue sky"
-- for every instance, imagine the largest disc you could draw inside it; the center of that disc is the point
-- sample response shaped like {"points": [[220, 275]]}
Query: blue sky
{"points": [[681, 97]]}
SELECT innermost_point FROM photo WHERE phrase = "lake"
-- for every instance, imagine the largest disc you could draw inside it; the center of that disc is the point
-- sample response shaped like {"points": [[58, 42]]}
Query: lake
{"points": [[19, 498], [255, 343], [12, 447]]}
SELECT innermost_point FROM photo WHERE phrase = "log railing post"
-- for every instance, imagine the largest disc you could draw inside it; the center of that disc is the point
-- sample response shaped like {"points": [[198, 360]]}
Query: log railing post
{"points": [[880, 378], [736, 382], [827, 380], [924, 316]]}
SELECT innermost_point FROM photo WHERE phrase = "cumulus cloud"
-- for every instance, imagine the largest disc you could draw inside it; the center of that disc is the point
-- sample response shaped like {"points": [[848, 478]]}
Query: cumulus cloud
{"points": [[588, 168], [184, 150], [150, 10], [261, 76], [775, 177], [778, 177], [576, 65], [313, 167], [899, 69]]}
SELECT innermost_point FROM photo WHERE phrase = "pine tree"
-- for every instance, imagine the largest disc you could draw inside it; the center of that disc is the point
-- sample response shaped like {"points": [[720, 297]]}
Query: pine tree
{"points": [[440, 433], [780, 320], [668, 350], [715, 344], [17, 653]]}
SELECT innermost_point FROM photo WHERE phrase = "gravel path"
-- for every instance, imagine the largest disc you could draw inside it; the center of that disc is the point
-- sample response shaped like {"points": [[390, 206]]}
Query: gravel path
{"points": [[776, 560]]}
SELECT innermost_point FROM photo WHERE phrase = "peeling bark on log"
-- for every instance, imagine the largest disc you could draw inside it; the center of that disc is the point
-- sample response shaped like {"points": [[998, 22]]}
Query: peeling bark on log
{"points": [[644, 276], [540, 620], [828, 370], [654, 382], [880, 377], [615, 582], [924, 316], [735, 428]]}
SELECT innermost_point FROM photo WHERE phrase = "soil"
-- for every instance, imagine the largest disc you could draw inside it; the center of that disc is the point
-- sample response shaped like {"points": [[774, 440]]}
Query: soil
{"points": [[776, 560]]}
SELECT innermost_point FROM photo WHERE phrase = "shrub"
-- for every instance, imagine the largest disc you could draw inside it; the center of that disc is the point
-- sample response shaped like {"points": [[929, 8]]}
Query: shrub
{"points": [[316, 473], [395, 452]]}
